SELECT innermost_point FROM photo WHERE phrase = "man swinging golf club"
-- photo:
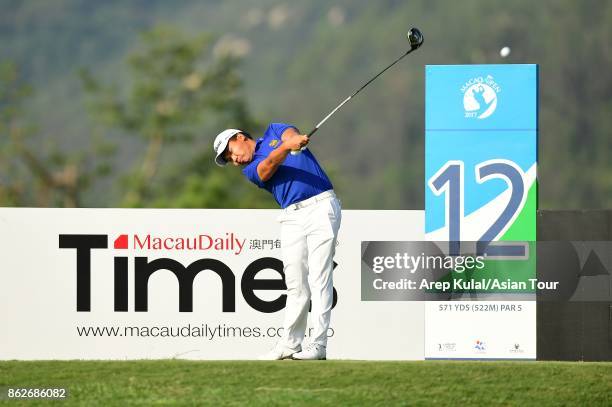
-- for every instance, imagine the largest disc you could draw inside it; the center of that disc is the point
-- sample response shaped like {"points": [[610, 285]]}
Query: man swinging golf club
{"points": [[310, 220]]}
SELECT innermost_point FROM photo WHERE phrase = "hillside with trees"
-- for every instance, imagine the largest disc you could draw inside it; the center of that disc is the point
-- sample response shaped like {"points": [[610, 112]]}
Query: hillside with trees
{"points": [[110, 104]]}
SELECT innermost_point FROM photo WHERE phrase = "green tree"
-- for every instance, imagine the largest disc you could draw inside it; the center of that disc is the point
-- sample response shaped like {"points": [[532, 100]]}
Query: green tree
{"points": [[33, 173], [178, 91]]}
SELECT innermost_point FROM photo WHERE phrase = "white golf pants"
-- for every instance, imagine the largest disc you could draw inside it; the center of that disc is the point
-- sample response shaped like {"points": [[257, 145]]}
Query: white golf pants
{"points": [[308, 241]]}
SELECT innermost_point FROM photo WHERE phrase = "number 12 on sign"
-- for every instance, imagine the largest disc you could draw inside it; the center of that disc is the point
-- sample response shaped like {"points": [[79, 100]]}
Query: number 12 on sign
{"points": [[449, 180]]}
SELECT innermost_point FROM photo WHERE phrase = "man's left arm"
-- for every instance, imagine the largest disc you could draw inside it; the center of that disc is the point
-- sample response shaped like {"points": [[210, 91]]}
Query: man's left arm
{"points": [[289, 131]]}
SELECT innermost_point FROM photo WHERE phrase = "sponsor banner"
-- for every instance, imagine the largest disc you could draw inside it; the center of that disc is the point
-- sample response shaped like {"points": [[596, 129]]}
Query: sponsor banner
{"points": [[481, 173], [196, 284]]}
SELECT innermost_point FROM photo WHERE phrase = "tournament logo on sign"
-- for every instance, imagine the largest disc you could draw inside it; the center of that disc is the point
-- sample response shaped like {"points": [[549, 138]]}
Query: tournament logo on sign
{"points": [[480, 97]]}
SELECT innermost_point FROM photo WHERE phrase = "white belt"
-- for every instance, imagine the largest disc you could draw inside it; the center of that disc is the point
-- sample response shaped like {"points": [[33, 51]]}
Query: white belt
{"points": [[311, 200]]}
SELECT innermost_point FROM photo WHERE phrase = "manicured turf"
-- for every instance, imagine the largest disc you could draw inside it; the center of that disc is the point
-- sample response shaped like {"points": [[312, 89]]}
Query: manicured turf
{"points": [[316, 383]]}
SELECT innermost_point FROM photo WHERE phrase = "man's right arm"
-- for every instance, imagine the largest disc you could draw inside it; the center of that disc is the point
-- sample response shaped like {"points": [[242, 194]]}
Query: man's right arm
{"points": [[267, 167]]}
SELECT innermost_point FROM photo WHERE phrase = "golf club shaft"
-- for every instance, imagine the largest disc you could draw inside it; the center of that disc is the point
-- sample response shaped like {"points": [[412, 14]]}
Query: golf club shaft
{"points": [[313, 131]]}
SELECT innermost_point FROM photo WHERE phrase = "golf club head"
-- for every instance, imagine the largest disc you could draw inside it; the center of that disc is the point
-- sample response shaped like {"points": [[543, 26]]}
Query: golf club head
{"points": [[415, 37]]}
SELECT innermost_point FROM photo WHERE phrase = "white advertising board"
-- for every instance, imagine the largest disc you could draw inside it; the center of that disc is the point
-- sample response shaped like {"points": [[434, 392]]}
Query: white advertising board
{"points": [[110, 311]]}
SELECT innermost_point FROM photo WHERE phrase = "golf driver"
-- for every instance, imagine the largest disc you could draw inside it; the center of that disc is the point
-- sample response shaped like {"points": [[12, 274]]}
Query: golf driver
{"points": [[415, 37]]}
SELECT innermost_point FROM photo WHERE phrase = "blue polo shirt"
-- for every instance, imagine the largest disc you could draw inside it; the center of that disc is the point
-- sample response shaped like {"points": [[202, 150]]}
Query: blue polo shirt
{"points": [[299, 177]]}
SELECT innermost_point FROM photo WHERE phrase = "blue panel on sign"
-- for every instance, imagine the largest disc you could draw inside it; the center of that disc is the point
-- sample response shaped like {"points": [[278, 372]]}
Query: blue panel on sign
{"points": [[481, 97]]}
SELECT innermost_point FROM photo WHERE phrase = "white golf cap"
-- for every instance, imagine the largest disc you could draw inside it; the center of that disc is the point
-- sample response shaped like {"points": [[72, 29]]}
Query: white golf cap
{"points": [[220, 144]]}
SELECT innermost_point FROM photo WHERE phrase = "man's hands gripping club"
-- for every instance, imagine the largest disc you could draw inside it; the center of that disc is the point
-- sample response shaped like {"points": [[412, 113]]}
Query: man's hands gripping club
{"points": [[292, 141]]}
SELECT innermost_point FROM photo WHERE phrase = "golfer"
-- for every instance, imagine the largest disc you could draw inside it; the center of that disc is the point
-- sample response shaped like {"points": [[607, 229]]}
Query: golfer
{"points": [[310, 220]]}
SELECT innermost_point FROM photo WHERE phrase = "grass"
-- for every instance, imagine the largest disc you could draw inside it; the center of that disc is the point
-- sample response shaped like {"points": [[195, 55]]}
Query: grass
{"points": [[181, 382]]}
